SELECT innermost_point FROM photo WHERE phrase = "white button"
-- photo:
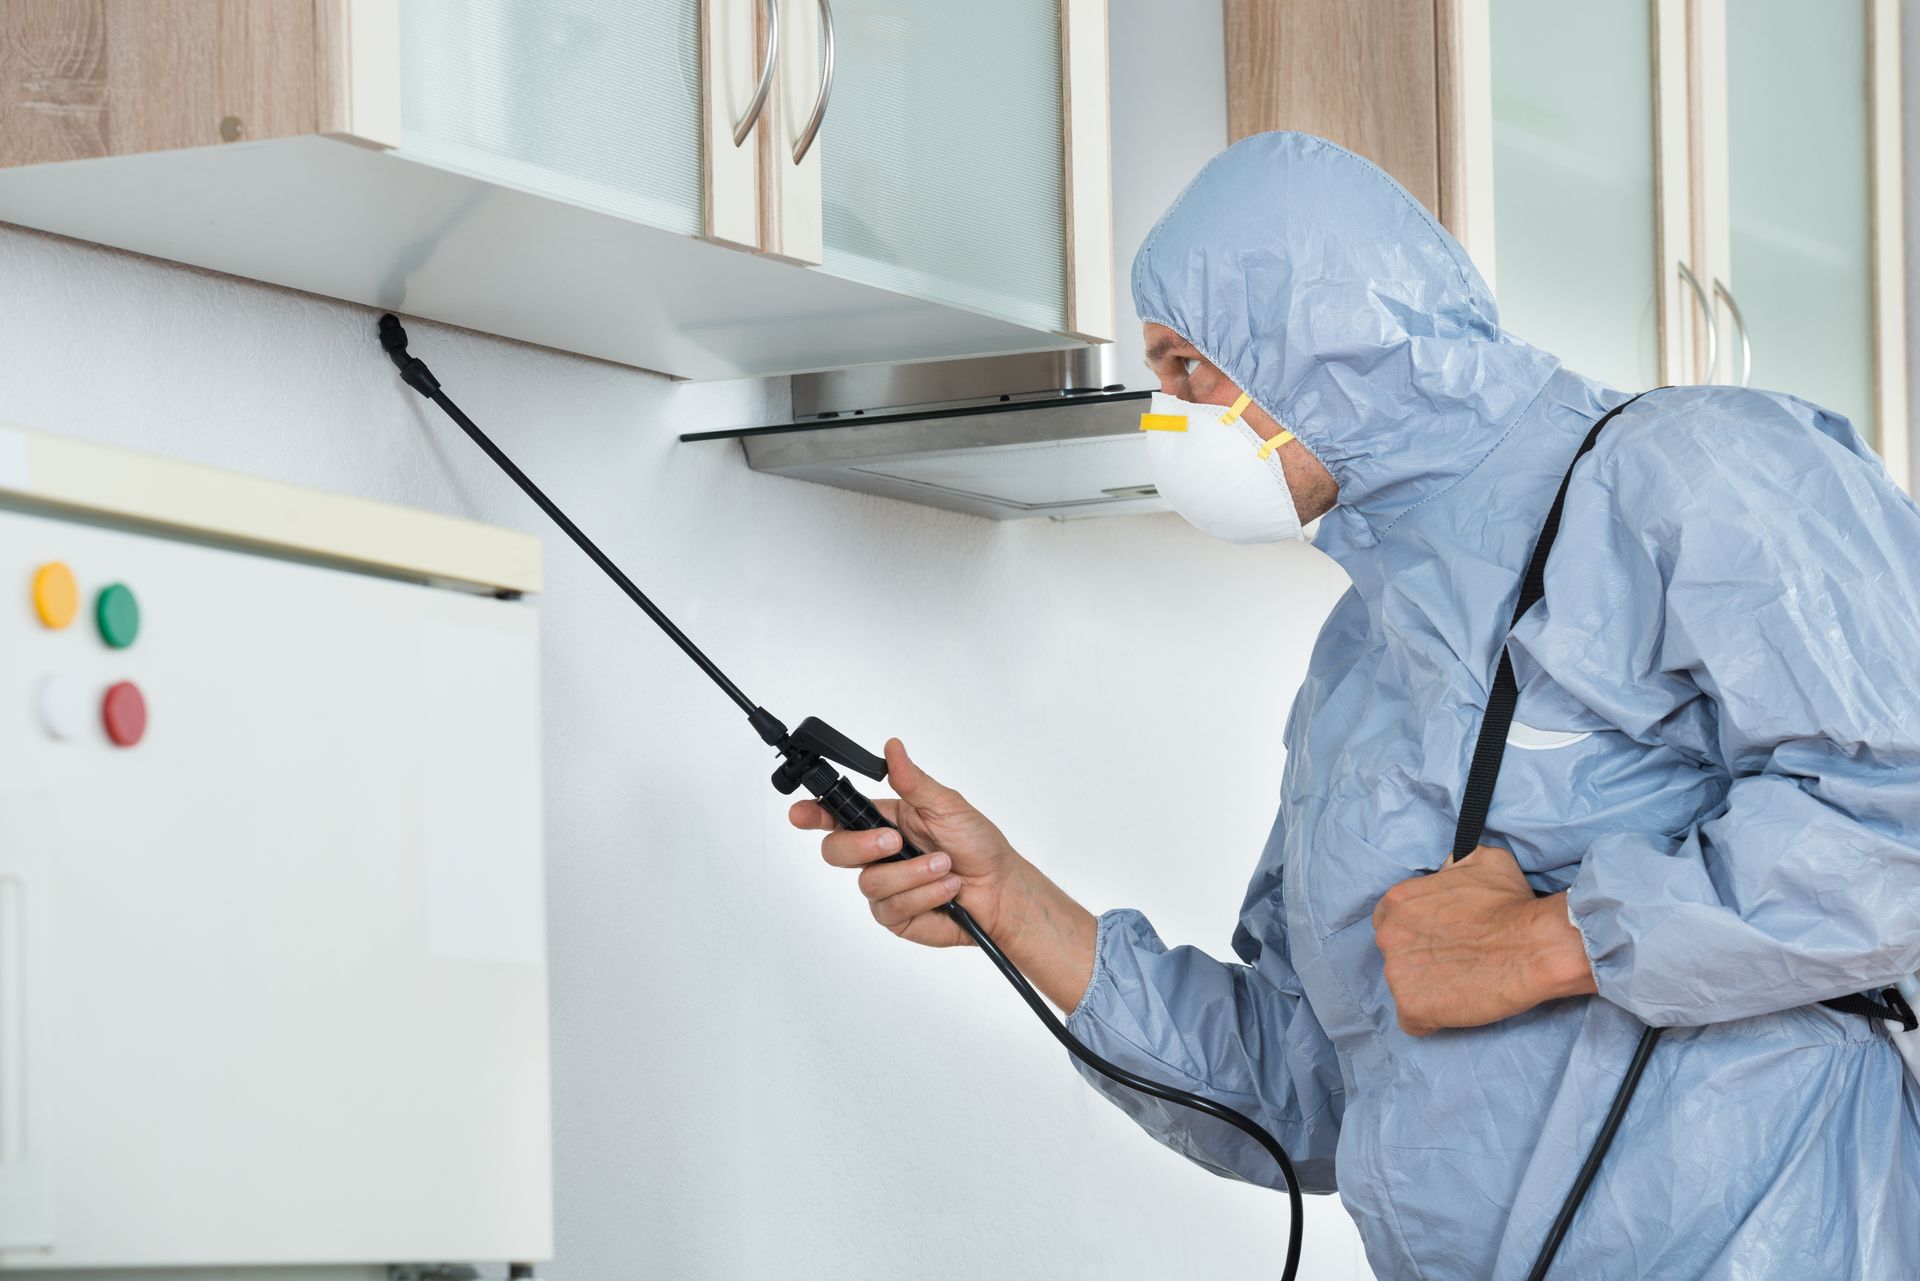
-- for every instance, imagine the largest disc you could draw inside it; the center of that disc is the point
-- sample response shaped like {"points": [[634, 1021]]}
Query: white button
{"points": [[66, 710]]}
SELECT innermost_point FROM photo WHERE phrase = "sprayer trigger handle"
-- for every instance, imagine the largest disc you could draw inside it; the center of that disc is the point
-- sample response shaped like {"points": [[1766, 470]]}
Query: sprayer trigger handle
{"points": [[817, 736]]}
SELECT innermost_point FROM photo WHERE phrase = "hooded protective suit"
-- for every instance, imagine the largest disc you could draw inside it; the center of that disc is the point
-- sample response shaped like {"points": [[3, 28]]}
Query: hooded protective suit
{"points": [[1721, 697]]}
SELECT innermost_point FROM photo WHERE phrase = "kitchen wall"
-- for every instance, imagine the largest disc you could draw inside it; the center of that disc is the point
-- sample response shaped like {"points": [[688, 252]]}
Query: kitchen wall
{"points": [[1160, 138], [751, 1079]]}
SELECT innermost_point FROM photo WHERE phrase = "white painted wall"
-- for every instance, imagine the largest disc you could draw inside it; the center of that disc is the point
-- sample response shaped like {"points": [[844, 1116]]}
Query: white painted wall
{"points": [[1169, 90], [751, 1079]]}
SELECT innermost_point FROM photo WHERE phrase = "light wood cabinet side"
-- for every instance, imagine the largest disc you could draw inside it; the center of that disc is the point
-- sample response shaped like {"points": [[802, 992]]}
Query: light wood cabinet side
{"points": [[80, 79], [1363, 75]]}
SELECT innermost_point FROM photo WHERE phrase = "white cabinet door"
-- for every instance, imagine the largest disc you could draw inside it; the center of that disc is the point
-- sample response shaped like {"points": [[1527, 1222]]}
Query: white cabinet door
{"points": [[945, 170], [1587, 217], [594, 102], [1792, 139]]}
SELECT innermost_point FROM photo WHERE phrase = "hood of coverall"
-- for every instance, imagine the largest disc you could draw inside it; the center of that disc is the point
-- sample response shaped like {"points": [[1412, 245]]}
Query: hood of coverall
{"points": [[1327, 293]]}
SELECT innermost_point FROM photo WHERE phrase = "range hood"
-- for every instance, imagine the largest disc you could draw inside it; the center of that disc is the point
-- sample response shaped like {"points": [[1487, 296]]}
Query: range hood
{"points": [[1039, 434]]}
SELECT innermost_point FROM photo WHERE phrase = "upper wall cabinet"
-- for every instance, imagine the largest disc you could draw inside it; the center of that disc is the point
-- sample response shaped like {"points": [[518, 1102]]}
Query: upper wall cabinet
{"points": [[709, 188], [1802, 218], [1662, 191], [1589, 259]]}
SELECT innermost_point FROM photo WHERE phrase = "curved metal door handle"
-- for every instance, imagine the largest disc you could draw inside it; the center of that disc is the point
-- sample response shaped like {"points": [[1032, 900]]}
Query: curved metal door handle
{"points": [[1740, 327], [808, 134], [744, 125], [1713, 320]]}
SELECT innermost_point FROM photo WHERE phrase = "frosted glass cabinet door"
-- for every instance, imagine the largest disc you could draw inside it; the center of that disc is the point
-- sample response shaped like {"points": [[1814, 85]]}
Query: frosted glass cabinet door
{"points": [[1800, 186], [595, 102], [1576, 255], [941, 156]]}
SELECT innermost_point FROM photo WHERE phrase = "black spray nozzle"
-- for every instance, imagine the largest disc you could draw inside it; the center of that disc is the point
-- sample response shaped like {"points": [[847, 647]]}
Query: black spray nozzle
{"points": [[771, 729], [816, 741], [412, 369]]}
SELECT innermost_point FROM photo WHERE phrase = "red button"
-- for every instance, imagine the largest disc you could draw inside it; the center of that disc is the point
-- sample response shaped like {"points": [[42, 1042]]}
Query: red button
{"points": [[125, 713]]}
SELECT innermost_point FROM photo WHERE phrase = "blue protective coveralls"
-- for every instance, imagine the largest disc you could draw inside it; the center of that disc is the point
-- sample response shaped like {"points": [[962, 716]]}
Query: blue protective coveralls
{"points": [[1727, 666]]}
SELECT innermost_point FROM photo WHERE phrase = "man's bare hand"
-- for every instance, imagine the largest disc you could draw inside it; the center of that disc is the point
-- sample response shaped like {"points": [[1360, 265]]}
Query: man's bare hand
{"points": [[1470, 945], [965, 857]]}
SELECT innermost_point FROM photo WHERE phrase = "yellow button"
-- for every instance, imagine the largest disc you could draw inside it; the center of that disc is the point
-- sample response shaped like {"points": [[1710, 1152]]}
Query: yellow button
{"points": [[55, 595]]}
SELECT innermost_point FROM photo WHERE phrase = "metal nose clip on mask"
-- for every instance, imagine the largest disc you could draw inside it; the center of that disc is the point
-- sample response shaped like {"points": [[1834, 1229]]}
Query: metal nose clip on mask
{"points": [[1217, 472]]}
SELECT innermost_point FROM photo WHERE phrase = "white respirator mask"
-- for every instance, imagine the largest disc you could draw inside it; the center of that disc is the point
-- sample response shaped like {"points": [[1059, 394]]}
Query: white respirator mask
{"points": [[1217, 472]]}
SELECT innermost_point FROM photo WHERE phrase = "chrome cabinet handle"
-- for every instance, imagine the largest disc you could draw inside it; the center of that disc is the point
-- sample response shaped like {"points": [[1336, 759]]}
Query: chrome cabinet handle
{"points": [[746, 122], [1713, 320], [807, 135], [1740, 327]]}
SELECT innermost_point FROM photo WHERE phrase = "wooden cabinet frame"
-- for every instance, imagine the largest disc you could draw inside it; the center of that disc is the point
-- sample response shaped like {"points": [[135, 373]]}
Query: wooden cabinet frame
{"points": [[733, 36], [1888, 236], [87, 79], [1088, 169]]}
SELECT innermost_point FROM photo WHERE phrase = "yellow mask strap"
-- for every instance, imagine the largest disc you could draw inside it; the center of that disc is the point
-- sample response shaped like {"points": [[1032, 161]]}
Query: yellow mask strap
{"points": [[1268, 446], [1236, 409], [1163, 422]]}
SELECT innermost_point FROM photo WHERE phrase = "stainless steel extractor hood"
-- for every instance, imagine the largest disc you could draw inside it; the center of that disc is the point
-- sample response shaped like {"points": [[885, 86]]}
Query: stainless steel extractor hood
{"points": [[1041, 434]]}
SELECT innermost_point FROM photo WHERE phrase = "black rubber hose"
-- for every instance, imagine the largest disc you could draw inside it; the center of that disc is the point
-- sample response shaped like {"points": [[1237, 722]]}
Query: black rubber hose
{"points": [[1133, 1081], [853, 809], [1604, 1140]]}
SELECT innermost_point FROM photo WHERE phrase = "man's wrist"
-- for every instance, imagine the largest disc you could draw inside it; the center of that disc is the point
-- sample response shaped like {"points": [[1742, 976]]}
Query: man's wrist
{"points": [[1562, 967], [1047, 934]]}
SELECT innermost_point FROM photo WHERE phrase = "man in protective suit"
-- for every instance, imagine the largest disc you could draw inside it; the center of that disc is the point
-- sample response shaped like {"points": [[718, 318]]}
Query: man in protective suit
{"points": [[1715, 826]]}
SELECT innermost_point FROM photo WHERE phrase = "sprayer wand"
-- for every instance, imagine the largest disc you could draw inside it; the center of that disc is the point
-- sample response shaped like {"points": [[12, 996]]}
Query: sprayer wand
{"points": [[808, 755]]}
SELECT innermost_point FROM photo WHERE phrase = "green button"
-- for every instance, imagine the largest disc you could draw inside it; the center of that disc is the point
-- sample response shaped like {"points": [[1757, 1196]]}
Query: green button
{"points": [[118, 614]]}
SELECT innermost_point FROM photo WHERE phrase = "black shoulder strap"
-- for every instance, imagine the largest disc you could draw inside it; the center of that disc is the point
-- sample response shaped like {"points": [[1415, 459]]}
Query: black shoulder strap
{"points": [[1491, 746]]}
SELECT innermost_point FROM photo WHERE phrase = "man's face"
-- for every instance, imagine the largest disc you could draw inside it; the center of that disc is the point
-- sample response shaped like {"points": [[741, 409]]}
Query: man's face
{"points": [[1183, 372], [1187, 375]]}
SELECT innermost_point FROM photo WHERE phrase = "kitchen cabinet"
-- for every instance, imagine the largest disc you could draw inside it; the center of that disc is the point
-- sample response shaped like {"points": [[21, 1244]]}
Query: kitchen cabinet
{"points": [[709, 188], [1589, 252], [944, 181], [1662, 192], [1802, 210]]}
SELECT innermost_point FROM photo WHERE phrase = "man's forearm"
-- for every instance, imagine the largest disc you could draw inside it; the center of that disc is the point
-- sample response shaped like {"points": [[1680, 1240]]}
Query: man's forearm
{"points": [[1049, 936]]}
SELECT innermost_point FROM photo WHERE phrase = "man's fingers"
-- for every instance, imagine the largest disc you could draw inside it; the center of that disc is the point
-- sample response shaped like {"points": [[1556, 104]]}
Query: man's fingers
{"points": [[812, 816], [884, 880], [896, 911], [857, 849]]}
